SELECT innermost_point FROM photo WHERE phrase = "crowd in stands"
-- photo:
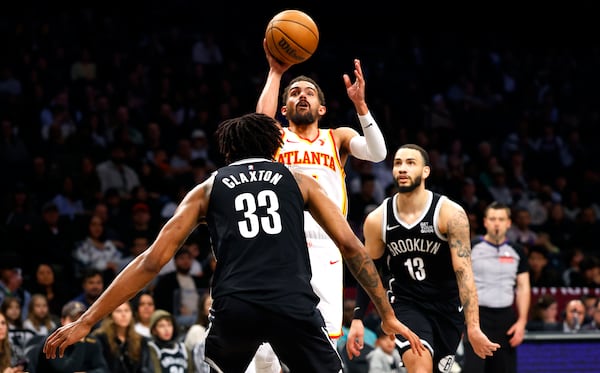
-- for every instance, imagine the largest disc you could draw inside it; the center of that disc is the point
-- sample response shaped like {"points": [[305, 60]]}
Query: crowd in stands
{"points": [[105, 125]]}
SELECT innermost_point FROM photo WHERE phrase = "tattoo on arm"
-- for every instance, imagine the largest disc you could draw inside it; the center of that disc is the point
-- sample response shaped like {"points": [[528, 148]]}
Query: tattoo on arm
{"points": [[459, 240], [458, 234], [365, 272]]}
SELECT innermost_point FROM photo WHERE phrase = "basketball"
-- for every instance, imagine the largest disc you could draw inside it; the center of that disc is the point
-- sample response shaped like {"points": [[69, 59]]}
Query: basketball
{"points": [[292, 36]]}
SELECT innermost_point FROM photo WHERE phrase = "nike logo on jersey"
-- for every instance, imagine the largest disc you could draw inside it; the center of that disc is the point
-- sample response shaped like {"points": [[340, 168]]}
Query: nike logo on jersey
{"points": [[291, 141], [367, 126], [460, 308], [391, 227], [332, 262]]}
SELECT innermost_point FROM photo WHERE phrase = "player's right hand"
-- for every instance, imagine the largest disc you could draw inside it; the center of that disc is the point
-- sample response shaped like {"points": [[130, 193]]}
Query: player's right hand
{"points": [[66, 335], [355, 341], [275, 64]]}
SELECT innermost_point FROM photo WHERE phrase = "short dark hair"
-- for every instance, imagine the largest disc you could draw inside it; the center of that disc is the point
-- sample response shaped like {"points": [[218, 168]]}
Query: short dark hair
{"points": [[247, 136], [423, 152], [497, 206], [303, 78]]}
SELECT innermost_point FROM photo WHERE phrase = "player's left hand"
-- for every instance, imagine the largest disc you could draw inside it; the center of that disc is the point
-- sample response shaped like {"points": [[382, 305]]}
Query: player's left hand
{"points": [[275, 64], [356, 90], [392, 327]]}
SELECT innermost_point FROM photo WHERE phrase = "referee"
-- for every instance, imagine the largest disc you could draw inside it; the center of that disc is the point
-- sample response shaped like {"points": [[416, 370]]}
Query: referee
{"points": [[502, 280]]}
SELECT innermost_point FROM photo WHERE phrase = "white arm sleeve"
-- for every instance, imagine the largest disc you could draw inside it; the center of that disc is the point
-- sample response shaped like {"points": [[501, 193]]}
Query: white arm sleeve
{"points": [[371, 146]]}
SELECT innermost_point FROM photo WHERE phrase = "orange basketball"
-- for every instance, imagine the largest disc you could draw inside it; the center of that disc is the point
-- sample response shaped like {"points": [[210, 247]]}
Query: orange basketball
{"points": [[292, 36]]}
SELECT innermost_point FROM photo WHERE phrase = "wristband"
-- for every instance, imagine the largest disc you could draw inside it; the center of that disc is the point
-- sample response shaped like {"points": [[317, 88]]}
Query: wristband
{"points": [[366, 120], [359, 313], [362, 303]]}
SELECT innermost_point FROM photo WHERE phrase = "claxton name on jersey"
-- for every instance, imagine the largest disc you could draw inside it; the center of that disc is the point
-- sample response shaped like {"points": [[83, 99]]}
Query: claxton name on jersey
{"points": [[413, 244], [252, 176], [302, 157]]}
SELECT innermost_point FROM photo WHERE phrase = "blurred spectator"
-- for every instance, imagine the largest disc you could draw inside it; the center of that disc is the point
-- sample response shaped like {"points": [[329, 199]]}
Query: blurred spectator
{"points": [[39, 320], [92, 285], [559, 228], [520, 231], [18, 335], [178, 292], [11, 308], [140, 223], [541, 273], [544, 315], [95, 251], [115, 173], [200, 145], [144, 308], [124, 350], [594, 324], [8, 361], [572, 260], [166, 351], [67, 201], [498, 187], [589, 301], [45, 282], [11, 285], [574, 316], [588, 274]]}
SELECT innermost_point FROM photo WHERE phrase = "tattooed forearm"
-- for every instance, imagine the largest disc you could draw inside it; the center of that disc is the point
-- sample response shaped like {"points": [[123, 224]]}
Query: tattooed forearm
{"points": [[364, 270], [459, 234], [468, 294]]}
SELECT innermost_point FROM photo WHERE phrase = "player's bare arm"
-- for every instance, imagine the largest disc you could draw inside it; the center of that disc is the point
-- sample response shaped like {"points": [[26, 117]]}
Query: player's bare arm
{"points": [[268, 99], [454, 222], [139, 272], [457, 230]]}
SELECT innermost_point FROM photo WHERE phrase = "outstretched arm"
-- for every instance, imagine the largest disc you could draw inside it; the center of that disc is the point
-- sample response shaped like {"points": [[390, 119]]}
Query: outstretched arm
{"points": [[370, 146], [454, 222], [139, 272], [269, 97]]}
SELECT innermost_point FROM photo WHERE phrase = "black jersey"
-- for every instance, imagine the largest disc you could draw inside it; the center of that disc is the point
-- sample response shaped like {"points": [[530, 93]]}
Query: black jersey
{"points": [[418, 255], [255, 218]]}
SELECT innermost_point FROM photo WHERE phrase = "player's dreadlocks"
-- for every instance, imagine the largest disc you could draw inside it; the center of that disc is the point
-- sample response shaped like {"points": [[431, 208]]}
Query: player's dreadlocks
{"points": [[247, 136]]}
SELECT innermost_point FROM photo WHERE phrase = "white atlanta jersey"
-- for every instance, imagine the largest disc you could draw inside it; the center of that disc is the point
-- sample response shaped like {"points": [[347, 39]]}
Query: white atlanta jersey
{"points": [[320, 159]]}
